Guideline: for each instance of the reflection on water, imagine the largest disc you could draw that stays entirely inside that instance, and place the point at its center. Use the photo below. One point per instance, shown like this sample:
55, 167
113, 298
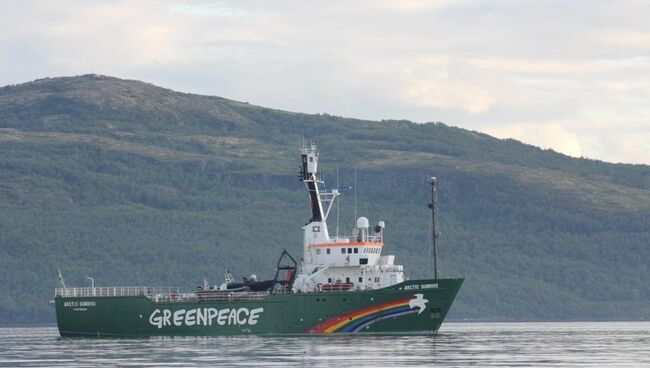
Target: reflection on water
574, 344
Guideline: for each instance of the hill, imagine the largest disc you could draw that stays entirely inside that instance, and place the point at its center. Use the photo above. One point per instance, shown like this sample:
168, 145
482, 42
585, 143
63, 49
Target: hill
134, 184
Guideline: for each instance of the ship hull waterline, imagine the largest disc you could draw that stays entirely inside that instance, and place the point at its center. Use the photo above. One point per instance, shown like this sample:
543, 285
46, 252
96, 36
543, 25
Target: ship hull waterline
411, 307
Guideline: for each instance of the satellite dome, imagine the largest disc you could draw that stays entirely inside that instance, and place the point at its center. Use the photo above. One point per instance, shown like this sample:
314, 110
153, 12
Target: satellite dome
363, 223
381, 224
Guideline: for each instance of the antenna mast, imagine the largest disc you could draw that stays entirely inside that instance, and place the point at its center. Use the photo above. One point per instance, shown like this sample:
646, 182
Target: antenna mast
338, 218
355, 194
61, 282
432, 206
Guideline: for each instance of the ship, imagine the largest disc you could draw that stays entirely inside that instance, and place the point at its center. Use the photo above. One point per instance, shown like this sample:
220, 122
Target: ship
342, 285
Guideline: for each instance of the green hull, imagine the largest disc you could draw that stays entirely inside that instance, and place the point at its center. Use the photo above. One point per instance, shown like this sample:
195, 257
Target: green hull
416, 306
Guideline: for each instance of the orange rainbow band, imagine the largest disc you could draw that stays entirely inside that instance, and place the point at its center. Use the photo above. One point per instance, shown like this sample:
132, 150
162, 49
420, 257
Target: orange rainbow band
348, 322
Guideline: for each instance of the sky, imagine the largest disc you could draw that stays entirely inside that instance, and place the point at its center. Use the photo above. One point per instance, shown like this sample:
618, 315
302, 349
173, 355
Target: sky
573, 76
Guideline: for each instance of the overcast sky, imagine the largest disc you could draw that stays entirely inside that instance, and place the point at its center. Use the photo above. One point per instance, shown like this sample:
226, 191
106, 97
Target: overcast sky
569, 75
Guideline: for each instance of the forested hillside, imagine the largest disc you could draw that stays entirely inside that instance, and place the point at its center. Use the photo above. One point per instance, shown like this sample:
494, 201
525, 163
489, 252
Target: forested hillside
133, 184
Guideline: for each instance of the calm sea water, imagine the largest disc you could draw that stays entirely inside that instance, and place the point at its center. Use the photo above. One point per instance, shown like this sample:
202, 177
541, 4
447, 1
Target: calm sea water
593, 344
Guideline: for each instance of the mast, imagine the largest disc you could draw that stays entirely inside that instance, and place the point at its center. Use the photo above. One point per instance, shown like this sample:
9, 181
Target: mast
432, 206
338, 217
61, 282
308, 172
355, 194
320, 200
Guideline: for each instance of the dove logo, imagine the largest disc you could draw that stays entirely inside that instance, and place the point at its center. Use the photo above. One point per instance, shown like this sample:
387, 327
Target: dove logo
418, 302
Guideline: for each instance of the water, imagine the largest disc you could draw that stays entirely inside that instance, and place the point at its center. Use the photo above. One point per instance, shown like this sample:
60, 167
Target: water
592, 344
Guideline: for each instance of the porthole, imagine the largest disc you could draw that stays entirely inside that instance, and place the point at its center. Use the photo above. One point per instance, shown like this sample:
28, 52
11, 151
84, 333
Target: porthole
435, 313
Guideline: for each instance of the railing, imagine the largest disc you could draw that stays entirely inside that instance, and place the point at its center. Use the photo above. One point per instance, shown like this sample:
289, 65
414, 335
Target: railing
335, 287
114, 291
210, 297
354, 239
374, 238
158, 294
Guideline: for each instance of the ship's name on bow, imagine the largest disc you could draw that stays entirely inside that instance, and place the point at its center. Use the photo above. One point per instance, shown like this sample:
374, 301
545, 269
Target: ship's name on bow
78, 303
205, 317
421, 286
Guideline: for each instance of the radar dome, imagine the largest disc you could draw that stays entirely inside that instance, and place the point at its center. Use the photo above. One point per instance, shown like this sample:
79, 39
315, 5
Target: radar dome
363, 223
381, 224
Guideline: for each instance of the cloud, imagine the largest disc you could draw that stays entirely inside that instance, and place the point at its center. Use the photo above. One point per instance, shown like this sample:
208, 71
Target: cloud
543, 134
447, 94
539, 67
629, 145
534, 71
636, 39
219, 9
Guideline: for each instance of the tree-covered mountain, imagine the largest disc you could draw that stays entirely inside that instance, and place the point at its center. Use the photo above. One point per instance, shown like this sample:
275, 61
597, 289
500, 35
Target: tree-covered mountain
133, 184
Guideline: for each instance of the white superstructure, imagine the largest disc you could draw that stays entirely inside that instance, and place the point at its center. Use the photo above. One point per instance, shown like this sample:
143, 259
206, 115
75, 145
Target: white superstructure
339, 263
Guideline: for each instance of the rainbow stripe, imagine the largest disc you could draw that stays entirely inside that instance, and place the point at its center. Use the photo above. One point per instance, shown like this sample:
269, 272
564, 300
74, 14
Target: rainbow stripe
358, 319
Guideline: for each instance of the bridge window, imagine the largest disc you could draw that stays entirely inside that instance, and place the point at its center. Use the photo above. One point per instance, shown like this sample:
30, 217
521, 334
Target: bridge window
317, 251
363, 261
350, 250
343, 250
328, 251
356, 250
